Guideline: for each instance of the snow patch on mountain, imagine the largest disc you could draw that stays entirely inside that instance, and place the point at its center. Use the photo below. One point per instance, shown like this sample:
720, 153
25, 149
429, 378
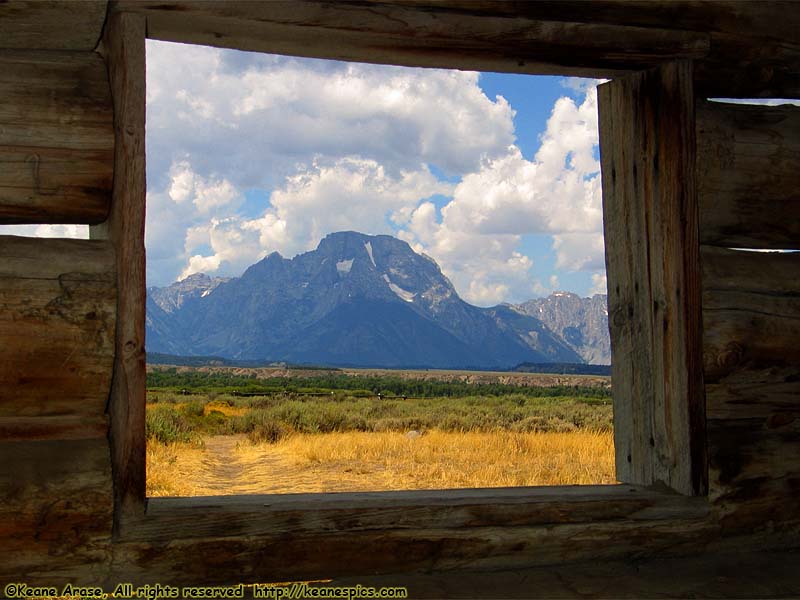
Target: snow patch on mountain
344, 266
399, 292
368, 246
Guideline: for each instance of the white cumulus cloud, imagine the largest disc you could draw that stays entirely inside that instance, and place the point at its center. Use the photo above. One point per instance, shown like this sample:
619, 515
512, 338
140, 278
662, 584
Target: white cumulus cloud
558, 192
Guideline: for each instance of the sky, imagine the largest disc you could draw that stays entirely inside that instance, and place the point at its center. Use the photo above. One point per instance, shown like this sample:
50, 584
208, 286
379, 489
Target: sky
495, 176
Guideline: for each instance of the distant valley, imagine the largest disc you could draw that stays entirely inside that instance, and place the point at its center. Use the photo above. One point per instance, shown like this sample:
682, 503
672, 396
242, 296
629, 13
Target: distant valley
361, 300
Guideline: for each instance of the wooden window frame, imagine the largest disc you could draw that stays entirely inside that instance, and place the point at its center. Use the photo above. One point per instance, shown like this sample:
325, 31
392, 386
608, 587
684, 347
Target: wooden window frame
650, 211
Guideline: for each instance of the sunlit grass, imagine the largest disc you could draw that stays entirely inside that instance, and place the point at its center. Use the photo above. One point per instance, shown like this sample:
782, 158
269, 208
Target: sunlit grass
367, 461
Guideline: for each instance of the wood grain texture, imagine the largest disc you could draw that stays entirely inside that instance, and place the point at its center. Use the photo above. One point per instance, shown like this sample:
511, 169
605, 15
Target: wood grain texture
748, 175
652, 257
751, 313
433, 35
280, 515
755, 393
742, 49
56, 510
740, 65
777, 20
51, 185
124, 45
754, 467
56, 137
21, 429
57, 321
754, 451
305, 556
52, 25
713, 575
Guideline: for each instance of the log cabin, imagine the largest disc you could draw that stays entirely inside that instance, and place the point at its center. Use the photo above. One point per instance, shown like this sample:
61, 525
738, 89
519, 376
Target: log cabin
705, 336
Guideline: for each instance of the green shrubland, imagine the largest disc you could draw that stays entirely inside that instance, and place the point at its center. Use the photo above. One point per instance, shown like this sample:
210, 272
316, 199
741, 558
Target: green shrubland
270, 418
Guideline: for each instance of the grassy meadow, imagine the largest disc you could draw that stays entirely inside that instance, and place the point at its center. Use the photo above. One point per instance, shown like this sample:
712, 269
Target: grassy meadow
213, 433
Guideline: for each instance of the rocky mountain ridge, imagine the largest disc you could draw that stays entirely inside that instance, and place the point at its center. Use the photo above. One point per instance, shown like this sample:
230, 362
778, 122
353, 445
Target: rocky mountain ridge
355, 300
581, 322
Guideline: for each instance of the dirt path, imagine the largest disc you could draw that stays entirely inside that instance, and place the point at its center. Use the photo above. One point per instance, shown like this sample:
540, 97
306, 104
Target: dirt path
226, 467
229, 464
220, 467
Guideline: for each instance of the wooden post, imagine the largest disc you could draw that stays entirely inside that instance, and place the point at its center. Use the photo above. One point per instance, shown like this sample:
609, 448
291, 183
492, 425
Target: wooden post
647, 137
124, 45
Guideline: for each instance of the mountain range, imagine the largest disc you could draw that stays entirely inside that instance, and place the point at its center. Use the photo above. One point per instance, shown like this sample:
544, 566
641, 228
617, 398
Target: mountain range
361, 300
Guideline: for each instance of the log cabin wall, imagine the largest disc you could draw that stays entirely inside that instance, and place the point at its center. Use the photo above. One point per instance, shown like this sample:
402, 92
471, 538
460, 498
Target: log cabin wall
748, 165
61, 342
57, 297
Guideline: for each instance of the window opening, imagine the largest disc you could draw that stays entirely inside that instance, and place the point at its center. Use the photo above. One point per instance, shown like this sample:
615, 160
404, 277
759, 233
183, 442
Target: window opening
357, 277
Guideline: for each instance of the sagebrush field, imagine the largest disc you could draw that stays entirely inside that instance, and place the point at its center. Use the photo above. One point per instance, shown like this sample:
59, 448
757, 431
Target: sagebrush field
212, 433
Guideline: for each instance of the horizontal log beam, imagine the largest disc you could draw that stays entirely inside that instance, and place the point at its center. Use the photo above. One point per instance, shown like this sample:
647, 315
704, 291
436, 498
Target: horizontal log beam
748, 165
52, 25
56, 137
766, 393
50, 185
56, 513
755, 470
278, 515
302, 556
743, 66
57, 322
21, 429
740, 50
751, 312
778, 19
745, 574
419, 36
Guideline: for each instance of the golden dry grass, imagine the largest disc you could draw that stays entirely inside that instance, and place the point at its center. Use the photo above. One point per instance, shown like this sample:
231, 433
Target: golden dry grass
171, 468
225, 409
367, 461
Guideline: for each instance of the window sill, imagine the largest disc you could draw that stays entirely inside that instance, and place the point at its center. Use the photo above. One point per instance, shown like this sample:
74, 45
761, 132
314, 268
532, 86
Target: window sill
170, 519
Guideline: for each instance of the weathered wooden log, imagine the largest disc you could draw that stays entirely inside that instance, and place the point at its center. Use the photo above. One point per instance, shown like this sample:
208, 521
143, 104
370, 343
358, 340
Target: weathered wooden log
743, 48
777, 20
754, 473
278, 515
125, 47
747, 574
81, 427
52, 25
425, 36
50, 185
755, 393
56, 137
652, 257
751, 316
748, 164
742, 65
751, 311
744, 451
302, 556
56, 510
57, 321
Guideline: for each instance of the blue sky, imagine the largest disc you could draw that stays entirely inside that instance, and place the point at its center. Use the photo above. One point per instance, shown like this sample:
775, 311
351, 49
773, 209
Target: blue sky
494, 176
